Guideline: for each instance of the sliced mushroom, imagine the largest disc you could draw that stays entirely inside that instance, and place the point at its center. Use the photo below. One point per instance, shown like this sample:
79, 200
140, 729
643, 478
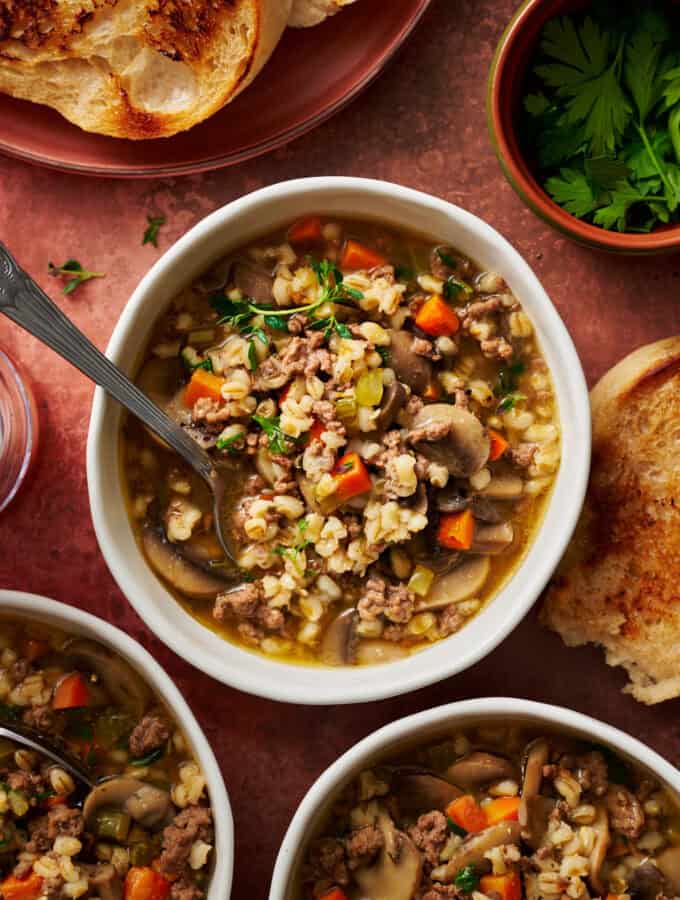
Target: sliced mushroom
493, 539
396, 874
504, 487
338, 646
460, 584
668, 862
473, 849
413, 370
452, 499
217, 277
375, 652
536, 756
124, 685
150, 806
393, 402
647, 882
480, 767
488, 511
253, 281
420, 792
167, 561
599, 852
538, 812
464, 449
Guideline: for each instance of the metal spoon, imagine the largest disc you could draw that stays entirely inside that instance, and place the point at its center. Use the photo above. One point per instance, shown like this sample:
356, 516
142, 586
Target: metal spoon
25, 303
34, 740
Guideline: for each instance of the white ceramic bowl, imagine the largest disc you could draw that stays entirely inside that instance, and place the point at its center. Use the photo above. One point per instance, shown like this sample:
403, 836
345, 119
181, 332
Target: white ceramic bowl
75, 621
243, 221
429, 725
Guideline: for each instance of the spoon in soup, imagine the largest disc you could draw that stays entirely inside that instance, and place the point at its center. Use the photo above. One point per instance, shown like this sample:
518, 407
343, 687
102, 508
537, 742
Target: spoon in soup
26, 304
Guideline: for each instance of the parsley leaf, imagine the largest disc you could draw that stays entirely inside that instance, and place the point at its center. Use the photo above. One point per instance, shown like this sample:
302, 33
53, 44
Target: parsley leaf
466, 879
279, 443
615, 213
454, 286
228, 443
455, 828
75, 273
572, 190
154, 226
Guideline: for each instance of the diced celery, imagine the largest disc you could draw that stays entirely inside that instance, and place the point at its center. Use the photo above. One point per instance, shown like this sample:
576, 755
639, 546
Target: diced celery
203, 336
421, 581
346, 408
113, 825
369, 389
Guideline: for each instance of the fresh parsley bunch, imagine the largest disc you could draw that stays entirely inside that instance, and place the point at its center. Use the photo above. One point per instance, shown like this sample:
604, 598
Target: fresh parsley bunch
602, 117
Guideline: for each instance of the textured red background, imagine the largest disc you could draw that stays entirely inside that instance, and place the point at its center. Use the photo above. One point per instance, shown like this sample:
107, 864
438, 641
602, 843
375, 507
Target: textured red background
422, 124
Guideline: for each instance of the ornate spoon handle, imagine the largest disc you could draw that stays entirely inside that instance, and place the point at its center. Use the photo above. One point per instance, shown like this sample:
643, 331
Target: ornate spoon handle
25, 303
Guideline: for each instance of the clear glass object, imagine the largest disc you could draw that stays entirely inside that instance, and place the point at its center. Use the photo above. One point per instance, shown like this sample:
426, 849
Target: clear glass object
18, 430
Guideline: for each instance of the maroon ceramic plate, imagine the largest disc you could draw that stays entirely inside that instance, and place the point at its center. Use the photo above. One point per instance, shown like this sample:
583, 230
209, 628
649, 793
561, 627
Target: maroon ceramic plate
312, 74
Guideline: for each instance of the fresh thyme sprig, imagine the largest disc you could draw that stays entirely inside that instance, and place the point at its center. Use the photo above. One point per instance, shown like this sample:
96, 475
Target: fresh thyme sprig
151, 233
75, 273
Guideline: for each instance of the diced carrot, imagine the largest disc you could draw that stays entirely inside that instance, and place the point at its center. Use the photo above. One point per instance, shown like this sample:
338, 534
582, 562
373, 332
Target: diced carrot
71, 692
357, 256
467, 813
508, 886
457, 530
432, 391
203, 384
55, 800
351, 476
13, 888
305, 231
33, 649
504, 809
436, 318
142, 883
498, 445
335, 894
284, 393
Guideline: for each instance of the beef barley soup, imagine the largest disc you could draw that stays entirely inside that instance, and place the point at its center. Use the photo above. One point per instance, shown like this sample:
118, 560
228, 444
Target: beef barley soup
498, 813
390, 429
145, 831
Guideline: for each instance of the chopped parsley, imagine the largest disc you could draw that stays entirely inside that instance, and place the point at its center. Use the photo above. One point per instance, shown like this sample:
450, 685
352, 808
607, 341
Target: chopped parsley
9, 713
74, 272
455, 828
228, 443
384, 353
506, 387
279, 443
154, 226
150, 758
404, 273
466, 879
446, 258
603, 114
454, 286
510, 402
330, 325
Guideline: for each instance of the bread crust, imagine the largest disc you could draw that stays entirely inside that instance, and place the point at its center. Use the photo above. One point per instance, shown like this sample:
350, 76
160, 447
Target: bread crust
136, 69
618, 585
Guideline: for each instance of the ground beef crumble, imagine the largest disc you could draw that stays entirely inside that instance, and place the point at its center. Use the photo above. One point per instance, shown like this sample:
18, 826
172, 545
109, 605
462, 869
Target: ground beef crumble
62, 820
327, 859
429, 834
148, 735
192, 824
363, 845
625, 812
394, 601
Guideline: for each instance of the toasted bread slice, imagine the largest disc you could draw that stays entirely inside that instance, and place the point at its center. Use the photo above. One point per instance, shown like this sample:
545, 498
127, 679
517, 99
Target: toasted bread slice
619, 584
306, 13
136, 68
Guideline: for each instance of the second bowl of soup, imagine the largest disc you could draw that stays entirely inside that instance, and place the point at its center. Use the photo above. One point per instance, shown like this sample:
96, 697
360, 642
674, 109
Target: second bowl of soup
394, 402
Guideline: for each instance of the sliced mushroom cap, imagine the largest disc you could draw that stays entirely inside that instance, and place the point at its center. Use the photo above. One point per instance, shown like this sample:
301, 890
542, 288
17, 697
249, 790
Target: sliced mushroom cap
413, 370
167, 561
536, 756
396, 874
465, 448
646, 882
538, 812
493, 539
480, 767
106, 882
338, 646
464, 581
668, 862
493, 513
504, 487
375, 653
150, 806
253, 281
452, 499
599, 852
473, 849
420, 792
124, 685
393, 402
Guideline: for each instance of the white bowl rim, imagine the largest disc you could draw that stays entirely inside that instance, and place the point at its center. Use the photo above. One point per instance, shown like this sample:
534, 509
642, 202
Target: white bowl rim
33, 605
350, 763
281, 681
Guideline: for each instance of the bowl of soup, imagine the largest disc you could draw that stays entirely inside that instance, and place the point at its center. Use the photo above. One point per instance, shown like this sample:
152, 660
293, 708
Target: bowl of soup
487, 798
134, 805
403, 427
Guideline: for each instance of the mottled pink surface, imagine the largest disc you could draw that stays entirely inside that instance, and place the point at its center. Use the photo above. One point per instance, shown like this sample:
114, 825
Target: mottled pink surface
422, 124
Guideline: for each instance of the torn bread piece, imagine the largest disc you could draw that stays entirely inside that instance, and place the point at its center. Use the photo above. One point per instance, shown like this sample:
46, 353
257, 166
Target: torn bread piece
136, 69
306, 13
619, 584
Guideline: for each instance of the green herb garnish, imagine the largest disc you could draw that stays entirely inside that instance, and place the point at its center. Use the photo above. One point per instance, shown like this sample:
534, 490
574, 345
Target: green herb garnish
10, 713
279, 443
510, 402
403, 273
74, 272
150, 758
228, 443
454, 286
604, 115
384, 353
446, 258
466, 879
154, 226
330, 325
455, 828
508, 378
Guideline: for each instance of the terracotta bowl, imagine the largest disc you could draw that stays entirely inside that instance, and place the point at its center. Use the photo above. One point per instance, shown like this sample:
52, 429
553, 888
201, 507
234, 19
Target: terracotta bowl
505, 92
